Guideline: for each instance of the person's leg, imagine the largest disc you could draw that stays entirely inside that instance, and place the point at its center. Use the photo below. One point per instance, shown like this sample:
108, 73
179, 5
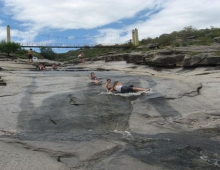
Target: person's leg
140, 89
98, 82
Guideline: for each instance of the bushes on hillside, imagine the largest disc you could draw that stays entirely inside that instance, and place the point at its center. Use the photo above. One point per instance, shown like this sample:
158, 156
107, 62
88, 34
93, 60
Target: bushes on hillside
48, 53
9, 47
187, 36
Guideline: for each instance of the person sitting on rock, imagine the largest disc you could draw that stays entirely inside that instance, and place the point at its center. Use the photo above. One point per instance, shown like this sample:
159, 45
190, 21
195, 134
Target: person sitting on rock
118, 87
41, 67
108, 86
54, 66
94, 79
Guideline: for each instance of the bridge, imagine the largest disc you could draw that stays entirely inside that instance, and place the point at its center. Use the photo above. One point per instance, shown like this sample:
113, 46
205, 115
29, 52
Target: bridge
58, 45
128, 44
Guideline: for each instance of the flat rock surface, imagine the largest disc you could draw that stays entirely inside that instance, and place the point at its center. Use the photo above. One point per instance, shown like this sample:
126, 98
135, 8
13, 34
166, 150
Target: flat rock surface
76, 124
17, 158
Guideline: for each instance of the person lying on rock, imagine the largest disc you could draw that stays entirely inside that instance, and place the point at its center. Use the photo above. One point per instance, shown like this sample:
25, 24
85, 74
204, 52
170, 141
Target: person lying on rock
94, 79
108, 85
118, 87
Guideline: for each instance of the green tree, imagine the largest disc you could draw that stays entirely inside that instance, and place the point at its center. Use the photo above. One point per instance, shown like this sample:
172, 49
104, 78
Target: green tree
8, 47
48, 53
188, 31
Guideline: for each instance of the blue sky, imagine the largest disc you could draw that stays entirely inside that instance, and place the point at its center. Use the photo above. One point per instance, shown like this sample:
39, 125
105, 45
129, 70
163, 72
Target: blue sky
101, 21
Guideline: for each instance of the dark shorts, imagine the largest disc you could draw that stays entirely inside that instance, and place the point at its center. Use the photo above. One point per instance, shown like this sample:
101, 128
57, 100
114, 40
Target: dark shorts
30, 56
127, 89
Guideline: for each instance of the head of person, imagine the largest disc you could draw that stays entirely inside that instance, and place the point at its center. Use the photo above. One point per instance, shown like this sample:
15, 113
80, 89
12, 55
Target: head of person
115, 83
92, 73
108, 80
31, 49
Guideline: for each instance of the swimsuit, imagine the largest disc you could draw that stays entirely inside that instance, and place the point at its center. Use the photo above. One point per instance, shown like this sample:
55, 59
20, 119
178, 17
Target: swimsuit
127, 89
93, 78
30, 56
118, 88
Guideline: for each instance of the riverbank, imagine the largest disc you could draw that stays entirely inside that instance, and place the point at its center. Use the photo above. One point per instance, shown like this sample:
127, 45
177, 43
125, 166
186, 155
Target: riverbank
61, 115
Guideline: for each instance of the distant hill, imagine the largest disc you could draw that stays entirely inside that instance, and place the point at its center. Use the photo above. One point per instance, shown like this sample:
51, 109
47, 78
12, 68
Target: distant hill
186, 37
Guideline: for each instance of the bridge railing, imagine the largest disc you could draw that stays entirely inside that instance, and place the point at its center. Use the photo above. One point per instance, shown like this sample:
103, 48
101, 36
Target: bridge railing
68, 45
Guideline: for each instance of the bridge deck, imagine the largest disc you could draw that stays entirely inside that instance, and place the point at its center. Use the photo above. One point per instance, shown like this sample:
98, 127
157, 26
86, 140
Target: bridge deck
78, 46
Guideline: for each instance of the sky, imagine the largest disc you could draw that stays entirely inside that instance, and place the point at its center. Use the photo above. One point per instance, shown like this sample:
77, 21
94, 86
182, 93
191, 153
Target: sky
107, 22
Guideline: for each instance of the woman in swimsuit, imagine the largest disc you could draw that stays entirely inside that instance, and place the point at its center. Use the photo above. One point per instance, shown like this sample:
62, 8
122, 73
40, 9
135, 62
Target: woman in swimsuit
117, 86
108, 85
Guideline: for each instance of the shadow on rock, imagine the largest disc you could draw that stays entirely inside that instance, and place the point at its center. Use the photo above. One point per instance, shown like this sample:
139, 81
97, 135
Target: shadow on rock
77, 116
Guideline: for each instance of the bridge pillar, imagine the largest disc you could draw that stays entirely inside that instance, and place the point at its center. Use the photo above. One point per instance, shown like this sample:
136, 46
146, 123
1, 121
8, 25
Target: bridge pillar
8, 34
135, 37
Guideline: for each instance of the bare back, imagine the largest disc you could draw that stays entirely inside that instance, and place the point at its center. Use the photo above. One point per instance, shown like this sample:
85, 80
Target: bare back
29, 52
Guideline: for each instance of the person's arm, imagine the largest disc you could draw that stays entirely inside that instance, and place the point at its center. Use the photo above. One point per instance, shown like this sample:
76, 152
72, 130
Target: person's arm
111, 89
106, 86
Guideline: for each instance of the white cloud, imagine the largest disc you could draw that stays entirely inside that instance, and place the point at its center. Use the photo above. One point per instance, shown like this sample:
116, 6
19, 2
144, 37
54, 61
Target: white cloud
174, 16
71, 37
73, 14
44, 15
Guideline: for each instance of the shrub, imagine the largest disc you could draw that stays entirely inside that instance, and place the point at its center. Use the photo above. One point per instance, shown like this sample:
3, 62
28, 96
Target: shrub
9, 47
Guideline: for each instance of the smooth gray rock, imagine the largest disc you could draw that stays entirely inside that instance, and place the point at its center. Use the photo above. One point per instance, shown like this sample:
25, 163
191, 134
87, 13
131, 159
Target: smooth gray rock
175, 126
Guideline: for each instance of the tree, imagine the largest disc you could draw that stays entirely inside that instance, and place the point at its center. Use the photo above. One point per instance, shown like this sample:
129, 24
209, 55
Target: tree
188, 31
48, 53
8, 47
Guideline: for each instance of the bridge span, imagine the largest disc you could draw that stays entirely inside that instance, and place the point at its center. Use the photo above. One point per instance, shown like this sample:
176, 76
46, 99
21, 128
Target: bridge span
34, 45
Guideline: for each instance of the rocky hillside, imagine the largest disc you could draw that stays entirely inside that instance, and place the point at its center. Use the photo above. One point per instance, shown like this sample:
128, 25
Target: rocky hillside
191, 56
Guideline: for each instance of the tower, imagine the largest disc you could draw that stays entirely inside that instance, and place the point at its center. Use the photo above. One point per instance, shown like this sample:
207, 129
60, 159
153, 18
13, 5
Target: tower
8, 34
135, 37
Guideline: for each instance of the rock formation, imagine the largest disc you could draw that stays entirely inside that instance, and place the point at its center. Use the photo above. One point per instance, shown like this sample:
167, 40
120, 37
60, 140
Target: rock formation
192, 56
